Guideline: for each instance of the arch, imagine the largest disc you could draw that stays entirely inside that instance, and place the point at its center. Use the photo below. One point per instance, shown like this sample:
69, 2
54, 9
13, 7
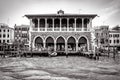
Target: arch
49, 42
60, 42
86, 22
42, 23
49, 22
35, 22
71, 42
38, 42
71, 22
64, 22
83, 42
79, 23
57, 23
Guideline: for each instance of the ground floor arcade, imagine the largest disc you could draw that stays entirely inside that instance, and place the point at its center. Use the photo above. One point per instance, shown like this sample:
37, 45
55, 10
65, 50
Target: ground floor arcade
61, 43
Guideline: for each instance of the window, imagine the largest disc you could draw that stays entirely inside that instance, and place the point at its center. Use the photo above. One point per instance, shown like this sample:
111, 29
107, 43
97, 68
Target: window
114, 41
15, 28
8, 30
111, 35
4, 35
117, 41
0, 30
106, 40
0, 36
8, 35
3, 41
0, 41
7, 41
102, 41
4, 30
106, 34
110, 41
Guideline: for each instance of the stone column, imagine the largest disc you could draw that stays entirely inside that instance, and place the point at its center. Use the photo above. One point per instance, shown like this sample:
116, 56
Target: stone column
75, 24
44, 44
31, 25
55, 46
82, 24
66, 47
38, 24
90, 24
76, 46
53, 23
45, 24
30, 43
60, 24
67, 24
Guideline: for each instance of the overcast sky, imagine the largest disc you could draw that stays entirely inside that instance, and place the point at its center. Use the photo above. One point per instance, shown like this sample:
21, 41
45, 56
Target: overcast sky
11, 11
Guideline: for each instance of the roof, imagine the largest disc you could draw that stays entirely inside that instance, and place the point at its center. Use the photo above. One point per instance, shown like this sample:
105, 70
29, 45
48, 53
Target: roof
22, 26
114, 31
4, 26
62, 15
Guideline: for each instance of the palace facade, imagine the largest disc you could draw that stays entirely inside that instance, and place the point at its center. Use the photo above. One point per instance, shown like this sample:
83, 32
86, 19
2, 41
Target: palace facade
62, 32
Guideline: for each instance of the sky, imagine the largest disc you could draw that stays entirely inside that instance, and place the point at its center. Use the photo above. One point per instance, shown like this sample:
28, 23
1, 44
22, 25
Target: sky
12, 11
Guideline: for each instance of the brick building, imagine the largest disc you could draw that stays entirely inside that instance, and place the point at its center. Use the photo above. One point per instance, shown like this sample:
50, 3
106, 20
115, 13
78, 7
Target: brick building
22, 35
63, 32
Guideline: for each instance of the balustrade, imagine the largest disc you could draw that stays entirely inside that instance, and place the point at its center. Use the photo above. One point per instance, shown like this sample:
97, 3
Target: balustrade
62, 29
78, 29
49, 29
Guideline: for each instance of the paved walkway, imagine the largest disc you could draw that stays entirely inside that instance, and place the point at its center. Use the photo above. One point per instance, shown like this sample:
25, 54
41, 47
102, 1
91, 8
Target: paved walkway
59, 68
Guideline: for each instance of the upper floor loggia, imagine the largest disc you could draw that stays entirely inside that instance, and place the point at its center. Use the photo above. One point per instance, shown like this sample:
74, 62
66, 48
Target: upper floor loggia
60, 22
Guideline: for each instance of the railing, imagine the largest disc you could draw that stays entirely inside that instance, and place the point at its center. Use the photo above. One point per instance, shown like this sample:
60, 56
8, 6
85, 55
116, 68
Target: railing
42, 29
35, 29
56, 29
49, 29
71, 29
78, 29
61, 29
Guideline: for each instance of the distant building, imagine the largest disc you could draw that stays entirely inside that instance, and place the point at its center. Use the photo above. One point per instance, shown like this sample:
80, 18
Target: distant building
22, 35
114, 38
6, 34
102, 36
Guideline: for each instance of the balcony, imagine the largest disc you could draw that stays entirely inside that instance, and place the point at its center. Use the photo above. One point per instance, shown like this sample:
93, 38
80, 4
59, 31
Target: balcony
60, 29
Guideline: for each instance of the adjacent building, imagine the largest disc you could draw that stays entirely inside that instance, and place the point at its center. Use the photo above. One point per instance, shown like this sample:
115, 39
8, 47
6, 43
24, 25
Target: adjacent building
61, 31
102, 36
6, 34
22, 35
114, 39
